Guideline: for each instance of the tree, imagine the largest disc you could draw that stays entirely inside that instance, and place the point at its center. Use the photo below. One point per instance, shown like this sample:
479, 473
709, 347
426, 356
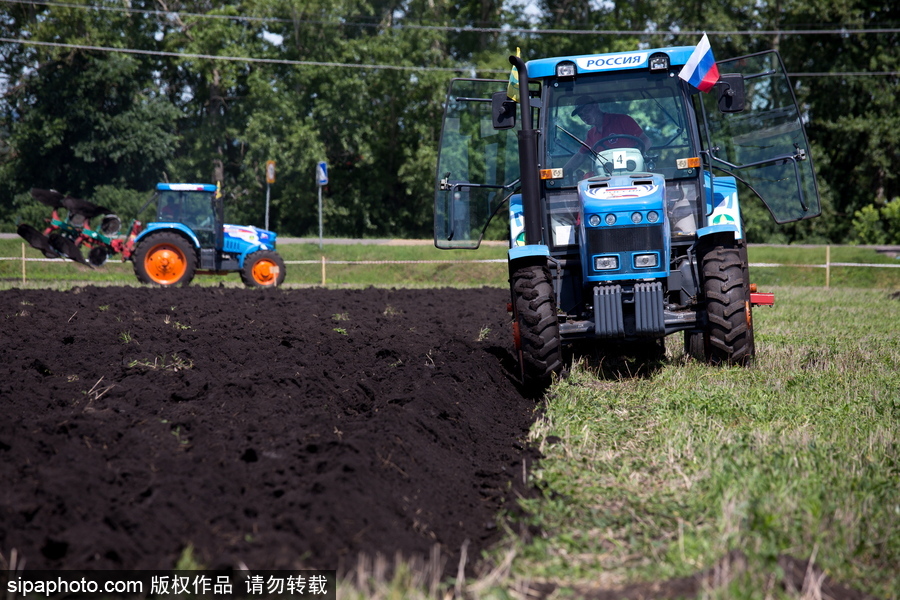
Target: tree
212, 110
78, 119
877, 224
855, 119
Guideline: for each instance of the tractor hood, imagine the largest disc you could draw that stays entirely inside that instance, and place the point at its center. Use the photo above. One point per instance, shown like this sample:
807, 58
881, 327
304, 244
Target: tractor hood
250, 235
623, 226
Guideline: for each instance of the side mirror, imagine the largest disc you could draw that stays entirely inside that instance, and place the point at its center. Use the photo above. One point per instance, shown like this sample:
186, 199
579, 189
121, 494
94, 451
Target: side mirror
730, 92
503, 111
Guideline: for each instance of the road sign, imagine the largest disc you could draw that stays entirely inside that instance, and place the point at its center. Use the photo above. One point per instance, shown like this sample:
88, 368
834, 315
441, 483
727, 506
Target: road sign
270, 171
322, 173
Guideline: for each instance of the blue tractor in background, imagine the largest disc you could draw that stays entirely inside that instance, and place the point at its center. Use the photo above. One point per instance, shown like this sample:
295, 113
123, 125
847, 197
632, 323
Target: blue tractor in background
619, 240
190, 237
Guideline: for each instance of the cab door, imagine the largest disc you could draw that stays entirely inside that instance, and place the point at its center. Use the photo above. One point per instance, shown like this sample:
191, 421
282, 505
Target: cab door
478, 166
765, 145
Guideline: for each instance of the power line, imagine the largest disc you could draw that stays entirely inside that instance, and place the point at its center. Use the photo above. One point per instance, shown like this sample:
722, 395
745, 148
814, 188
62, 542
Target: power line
373, 66
847, 74
250, 59
466, 29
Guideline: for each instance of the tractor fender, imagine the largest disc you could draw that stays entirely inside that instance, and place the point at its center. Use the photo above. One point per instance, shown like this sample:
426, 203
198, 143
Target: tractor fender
533, 250
164, 226
729, 230
250, 250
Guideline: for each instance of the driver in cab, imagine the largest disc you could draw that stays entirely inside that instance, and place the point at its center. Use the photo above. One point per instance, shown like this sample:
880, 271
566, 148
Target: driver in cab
604, 127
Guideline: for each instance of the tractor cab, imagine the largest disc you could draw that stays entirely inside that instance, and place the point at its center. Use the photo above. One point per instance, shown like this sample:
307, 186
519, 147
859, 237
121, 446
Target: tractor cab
191, 208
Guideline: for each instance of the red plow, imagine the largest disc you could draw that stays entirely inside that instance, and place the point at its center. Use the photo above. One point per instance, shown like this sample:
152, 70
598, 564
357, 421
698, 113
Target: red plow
67, 238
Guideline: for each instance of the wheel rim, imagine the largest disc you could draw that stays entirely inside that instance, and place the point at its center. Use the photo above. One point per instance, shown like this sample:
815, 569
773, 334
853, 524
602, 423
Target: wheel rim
265, 272
165, 264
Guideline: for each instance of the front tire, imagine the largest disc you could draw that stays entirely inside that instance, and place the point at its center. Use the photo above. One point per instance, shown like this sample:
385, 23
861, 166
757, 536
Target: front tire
263, 268
728, 336
535, 325
165, 259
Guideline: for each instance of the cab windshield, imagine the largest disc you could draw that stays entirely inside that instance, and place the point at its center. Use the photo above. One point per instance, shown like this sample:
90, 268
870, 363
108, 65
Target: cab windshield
617, 123
194, 209
191, 208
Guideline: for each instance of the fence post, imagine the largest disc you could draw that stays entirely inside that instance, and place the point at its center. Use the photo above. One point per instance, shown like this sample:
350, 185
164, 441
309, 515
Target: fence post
323, 271
827, 267
23, 264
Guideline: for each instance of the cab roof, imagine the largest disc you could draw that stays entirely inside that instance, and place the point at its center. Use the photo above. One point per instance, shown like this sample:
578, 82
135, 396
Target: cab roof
185, 187
614, 61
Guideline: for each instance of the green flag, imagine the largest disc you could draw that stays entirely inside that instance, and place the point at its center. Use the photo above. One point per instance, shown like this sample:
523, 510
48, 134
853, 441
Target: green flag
512, 90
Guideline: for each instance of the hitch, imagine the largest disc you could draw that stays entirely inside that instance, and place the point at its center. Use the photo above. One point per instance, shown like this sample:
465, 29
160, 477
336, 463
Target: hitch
761, 298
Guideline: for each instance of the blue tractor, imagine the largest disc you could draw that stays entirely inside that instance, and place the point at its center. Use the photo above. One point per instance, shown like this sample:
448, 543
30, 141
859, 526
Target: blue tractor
190, 237
620, 180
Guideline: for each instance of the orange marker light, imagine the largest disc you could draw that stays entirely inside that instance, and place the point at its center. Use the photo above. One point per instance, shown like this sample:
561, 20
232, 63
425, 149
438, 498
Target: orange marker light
688, 163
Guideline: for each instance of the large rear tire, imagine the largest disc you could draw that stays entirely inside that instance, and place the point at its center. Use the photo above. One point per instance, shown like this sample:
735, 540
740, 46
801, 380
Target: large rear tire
263, 268
728, 336
536, 325
165, 259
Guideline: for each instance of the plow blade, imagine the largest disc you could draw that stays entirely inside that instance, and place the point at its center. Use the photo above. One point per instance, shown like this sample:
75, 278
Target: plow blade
51, 198
37, 240
87, 209
67, 248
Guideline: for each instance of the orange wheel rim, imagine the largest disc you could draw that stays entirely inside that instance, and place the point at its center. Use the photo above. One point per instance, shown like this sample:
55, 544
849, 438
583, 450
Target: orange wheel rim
265, 272
165, 264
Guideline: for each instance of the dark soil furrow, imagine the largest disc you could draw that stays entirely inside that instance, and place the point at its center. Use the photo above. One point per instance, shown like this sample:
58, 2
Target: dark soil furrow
277, 428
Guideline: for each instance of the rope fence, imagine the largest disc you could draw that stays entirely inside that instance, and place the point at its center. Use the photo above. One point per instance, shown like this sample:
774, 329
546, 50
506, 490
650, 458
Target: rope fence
827, 265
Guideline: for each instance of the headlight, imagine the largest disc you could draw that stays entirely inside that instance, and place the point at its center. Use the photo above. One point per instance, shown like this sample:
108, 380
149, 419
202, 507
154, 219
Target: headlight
645, 261
594, 220
659, 62
636, 217
565, 69
610, 219
605, 263
653, 216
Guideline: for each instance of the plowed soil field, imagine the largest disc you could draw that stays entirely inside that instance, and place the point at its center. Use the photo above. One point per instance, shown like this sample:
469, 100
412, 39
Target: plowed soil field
276, 428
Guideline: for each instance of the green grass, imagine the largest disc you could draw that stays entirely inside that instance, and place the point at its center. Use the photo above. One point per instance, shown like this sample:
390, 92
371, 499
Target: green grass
815, 276
660, 476
462, 273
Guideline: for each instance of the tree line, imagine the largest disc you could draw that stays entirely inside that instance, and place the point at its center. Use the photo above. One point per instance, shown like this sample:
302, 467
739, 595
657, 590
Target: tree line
101, 99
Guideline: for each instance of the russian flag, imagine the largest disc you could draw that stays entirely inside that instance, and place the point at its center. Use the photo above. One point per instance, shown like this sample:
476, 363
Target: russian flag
701, 70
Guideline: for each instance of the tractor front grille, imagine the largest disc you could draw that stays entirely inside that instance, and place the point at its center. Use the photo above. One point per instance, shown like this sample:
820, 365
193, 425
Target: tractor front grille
606, 240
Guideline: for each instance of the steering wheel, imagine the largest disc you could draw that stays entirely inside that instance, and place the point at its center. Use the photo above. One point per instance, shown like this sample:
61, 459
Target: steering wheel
604, 142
